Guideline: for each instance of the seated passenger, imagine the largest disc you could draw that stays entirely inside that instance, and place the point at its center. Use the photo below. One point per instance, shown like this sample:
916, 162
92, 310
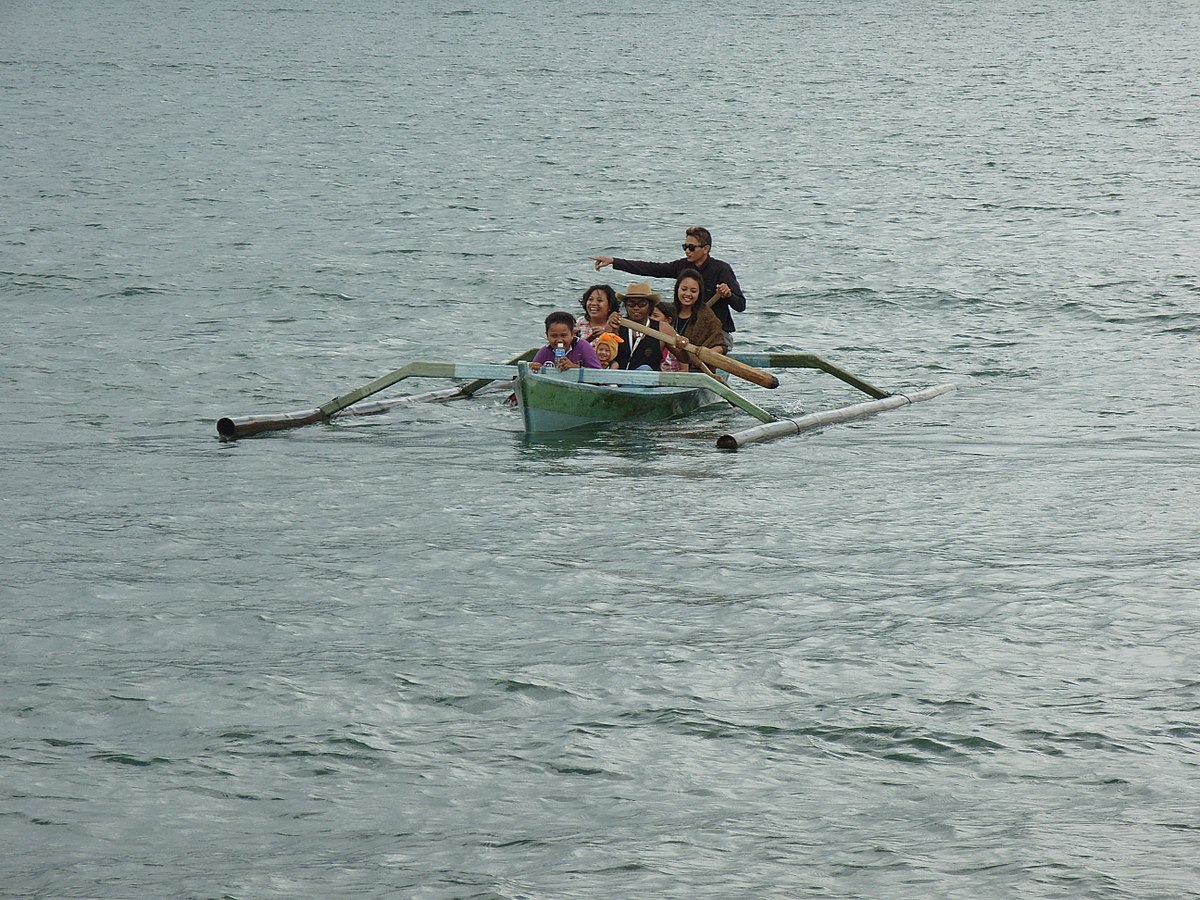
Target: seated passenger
560, 334
664, 313
608, 345
598, 302
694, 320
640, 351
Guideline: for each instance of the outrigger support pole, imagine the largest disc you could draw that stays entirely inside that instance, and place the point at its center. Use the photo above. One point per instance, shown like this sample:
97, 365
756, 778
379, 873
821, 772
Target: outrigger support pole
786, 427
472, 388
809, 361
230, 427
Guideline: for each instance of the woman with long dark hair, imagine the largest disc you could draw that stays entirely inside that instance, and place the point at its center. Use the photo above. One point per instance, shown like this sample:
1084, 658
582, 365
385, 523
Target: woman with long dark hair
694, 319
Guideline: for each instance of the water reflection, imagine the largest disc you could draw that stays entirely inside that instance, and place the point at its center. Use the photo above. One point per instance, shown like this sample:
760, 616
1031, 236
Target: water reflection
632, 442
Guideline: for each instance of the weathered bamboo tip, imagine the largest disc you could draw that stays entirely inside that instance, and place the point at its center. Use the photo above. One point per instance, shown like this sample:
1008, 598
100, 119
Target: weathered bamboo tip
229, 427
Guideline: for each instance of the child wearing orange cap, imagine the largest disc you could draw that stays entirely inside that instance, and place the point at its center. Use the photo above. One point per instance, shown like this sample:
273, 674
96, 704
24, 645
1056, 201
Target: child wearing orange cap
606, 349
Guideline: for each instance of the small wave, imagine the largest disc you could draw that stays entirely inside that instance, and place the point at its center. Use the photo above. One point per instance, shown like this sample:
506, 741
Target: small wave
1055, 744
902, 744
518, 842
512, 686
589, 771
39, 279
129, 292
128, 759
334, 295
63, 742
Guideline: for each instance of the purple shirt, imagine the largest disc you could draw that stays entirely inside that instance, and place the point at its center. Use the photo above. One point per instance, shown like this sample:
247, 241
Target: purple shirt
581, 352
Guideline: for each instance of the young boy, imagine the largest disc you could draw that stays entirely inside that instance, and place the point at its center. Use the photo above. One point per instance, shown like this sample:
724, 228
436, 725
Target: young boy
560, 331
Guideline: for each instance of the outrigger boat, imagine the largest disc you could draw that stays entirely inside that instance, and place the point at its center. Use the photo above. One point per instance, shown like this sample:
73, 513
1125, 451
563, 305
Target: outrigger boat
551, 400
558, 401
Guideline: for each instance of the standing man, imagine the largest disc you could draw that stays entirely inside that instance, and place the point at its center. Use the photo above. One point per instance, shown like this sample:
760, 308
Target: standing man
718, 274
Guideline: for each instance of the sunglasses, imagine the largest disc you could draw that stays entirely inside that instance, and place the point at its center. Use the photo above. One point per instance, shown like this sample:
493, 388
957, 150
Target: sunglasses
688, 248
632, 302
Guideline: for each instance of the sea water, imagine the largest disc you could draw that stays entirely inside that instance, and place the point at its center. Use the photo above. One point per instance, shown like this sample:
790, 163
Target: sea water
951, 651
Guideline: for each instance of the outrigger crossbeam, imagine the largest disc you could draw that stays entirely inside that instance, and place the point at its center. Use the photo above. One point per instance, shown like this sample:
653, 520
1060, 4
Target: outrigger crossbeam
230, 427
809, 361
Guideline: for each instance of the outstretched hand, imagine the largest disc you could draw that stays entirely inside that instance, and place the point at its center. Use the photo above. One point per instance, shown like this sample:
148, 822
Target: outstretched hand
601, 261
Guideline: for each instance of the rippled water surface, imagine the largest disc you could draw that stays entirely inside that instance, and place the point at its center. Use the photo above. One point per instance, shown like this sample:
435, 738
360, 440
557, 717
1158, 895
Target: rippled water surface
951, 651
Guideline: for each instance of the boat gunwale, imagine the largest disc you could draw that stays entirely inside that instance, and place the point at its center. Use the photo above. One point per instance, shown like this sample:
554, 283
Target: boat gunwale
654, 402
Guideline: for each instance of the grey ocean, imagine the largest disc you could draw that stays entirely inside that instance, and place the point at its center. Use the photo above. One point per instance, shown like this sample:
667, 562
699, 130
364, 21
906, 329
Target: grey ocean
952, 651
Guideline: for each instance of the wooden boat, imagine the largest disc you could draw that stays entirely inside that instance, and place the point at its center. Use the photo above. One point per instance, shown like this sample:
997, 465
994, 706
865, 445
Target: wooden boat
556, 401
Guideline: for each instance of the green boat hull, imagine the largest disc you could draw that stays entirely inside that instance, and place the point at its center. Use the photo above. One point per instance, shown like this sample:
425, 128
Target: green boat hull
557, 402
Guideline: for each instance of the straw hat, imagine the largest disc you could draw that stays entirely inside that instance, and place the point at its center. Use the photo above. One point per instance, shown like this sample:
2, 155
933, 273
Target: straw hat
641, 290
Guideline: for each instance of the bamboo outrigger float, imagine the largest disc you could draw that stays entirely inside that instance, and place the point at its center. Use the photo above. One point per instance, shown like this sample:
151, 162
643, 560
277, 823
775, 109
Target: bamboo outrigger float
557, 401
778, 428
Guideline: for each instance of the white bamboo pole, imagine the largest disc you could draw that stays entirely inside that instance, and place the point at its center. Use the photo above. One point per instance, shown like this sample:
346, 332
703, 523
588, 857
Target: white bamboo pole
787, 427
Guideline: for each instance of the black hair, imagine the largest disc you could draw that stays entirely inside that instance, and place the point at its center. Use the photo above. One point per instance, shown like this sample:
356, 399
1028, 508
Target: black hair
700, 234
695, 276
609, 294
560, 318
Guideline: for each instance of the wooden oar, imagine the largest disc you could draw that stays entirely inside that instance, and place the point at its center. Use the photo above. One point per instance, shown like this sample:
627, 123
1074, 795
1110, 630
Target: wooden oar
712, 357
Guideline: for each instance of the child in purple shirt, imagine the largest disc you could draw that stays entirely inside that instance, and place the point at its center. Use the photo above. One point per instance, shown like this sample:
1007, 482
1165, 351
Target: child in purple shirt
560, 331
